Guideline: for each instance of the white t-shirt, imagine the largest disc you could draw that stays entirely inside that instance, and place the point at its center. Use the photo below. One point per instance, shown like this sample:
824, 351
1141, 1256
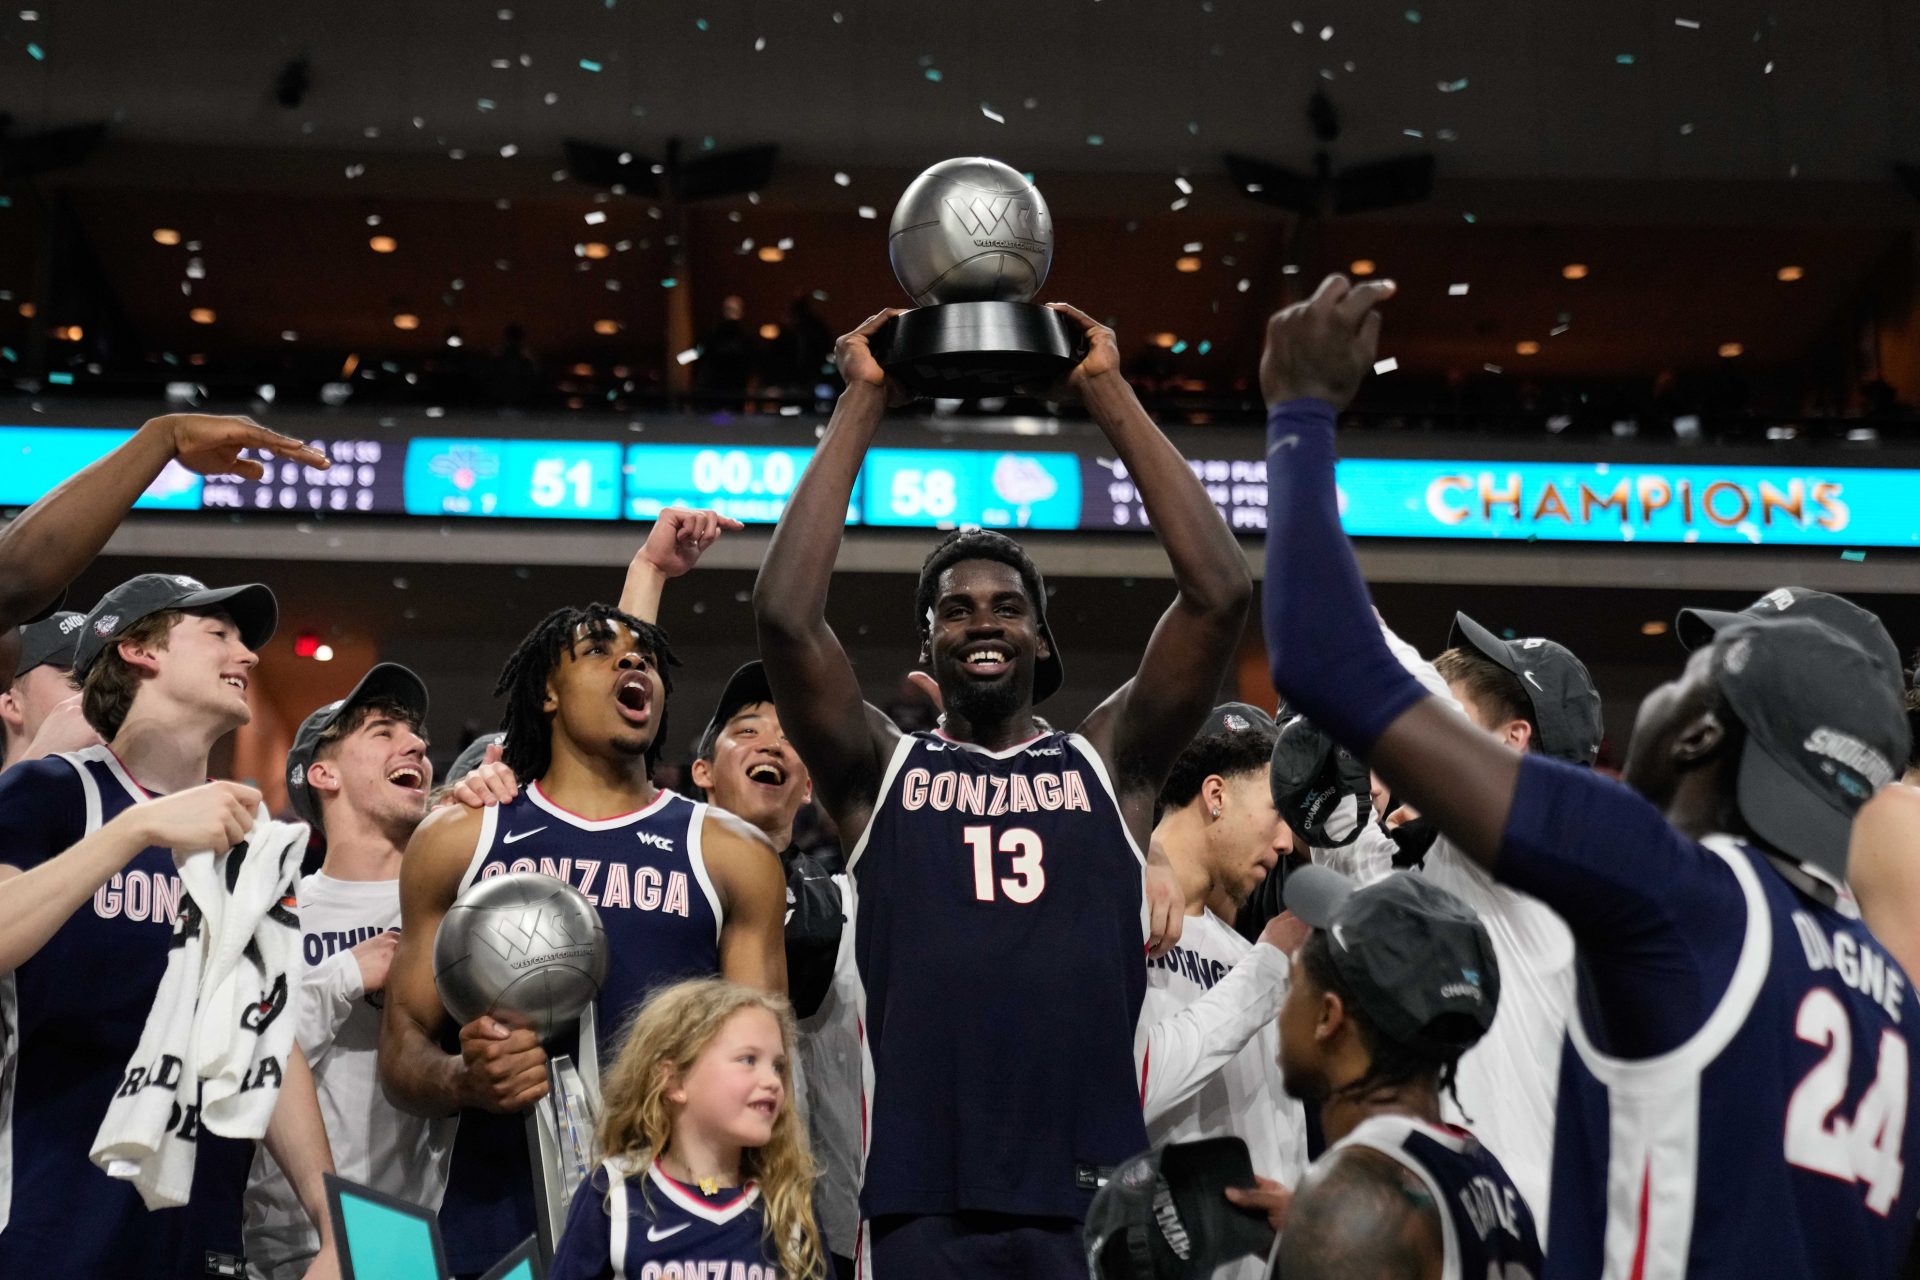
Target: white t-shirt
1208, 1049
828, 1082
373, 1141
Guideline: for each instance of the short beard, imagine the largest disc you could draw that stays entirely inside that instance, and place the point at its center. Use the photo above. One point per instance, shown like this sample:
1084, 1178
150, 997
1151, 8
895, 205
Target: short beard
981, 704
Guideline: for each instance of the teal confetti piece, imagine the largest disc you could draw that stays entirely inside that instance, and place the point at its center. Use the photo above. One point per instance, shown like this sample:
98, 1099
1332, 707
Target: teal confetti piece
669, 283
1413, 16
1094, 140
9, 355
35, 52
6, 202
700, 23
588, 64
1193, 128
1206, 345
933, 74
1179, 346
1470, 218
486, 104
1624, 59
1855, 556
60, 379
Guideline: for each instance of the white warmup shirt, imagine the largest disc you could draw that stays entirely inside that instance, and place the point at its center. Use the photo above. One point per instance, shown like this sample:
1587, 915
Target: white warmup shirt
1208, 1049
828, 1085
373, 1141
1509, 1081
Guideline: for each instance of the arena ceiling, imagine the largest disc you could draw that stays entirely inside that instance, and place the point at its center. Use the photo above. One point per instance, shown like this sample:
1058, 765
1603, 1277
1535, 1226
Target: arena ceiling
1645, 89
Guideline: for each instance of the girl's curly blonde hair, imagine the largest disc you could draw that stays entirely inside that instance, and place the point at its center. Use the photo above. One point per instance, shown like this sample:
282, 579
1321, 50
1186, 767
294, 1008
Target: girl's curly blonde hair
673, 1028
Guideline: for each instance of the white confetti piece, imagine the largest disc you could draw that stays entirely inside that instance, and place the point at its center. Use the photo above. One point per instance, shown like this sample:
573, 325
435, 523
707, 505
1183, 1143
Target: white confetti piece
760, 45
508, 151
1179, 204
595, 218
1386, 366
991, 114
1492, 368
688, 356
1691, 24
868, 211
1191, 246
786, 243
1186, 188
842, 180
1457, 290
1244, 285
1326, 33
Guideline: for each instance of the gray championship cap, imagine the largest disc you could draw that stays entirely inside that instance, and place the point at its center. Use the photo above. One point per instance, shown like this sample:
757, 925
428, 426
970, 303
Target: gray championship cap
1566, 705
746, 687
252, 608
1826, 728
385, 682
1420, 964
50, 642
1164, 1215
1696, 628
471, 757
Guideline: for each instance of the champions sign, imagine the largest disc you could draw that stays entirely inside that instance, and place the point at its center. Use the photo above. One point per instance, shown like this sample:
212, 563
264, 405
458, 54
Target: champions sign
1614, 502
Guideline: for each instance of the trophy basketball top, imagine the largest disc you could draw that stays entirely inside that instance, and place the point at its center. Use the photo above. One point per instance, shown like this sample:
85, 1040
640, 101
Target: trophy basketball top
971, 229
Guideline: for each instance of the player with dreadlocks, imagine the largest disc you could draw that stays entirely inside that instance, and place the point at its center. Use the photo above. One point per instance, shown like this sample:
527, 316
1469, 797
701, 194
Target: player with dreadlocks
683, 891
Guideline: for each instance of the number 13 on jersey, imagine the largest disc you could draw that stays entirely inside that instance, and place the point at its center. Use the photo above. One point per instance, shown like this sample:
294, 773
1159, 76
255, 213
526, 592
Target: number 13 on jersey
1026, 878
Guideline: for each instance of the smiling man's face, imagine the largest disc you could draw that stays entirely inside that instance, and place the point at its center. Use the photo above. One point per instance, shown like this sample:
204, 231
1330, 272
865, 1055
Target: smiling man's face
754, 773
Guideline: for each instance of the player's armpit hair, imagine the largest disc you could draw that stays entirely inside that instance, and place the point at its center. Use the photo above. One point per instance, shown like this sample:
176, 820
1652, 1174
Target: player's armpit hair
1360, 1215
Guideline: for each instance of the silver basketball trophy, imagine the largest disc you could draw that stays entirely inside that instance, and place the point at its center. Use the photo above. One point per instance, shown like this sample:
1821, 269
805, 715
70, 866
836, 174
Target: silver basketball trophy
971, 242
529, 950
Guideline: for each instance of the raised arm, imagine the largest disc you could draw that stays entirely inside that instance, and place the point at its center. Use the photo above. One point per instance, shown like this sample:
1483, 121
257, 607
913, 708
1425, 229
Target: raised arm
1146, 723
674, 546
497, 1069
746, 873
1330, 661
844, 744
50, 542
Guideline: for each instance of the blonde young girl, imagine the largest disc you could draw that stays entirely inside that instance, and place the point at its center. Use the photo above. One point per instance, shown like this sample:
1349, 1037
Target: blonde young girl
708, 1163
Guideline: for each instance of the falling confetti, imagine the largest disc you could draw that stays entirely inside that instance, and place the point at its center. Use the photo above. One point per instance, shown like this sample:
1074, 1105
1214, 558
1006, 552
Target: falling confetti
933, 74
1624, 59
1456, 291
868, 211
1191, 246
1691, 24
760, 44
485, 104
588, 64
1186, 189
1413, 16
35, 52
1244, 285
991, 114
1179, 204
1471, 218
842, 180
1453, 86
1855, 556
1094, 140
595, 218
1386, 366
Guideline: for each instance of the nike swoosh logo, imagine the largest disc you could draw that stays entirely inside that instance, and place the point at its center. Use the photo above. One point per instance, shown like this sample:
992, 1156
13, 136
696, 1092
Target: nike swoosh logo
1530, 680
1340, 937
512, 836
1284, 442
655, 1235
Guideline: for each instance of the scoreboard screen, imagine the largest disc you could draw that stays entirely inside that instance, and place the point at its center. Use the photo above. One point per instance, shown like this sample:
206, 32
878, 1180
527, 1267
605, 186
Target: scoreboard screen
488, 477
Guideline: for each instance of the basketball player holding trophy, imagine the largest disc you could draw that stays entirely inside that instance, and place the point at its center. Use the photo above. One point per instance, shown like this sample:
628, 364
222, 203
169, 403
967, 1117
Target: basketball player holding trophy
681, 891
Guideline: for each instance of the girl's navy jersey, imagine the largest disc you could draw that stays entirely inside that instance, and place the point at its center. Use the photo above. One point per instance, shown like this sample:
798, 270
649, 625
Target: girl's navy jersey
999, 935
1485, 1224
81, 1004
651, 1227
662, 916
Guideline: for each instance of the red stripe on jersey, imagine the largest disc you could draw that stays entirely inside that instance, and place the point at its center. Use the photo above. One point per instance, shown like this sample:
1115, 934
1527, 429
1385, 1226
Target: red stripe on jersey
1146, 1060
1640, 1239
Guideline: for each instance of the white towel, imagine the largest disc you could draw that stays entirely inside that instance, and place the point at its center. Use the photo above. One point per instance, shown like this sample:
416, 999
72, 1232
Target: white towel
215, 1047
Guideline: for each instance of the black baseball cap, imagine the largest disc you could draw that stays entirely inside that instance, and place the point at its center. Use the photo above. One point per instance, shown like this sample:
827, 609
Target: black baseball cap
1164, 1215
1566, 705
1236, 718
1420, 964
1695, 628
385, 682
50, 642
1826, 728
471, 757
745, 687
252, 608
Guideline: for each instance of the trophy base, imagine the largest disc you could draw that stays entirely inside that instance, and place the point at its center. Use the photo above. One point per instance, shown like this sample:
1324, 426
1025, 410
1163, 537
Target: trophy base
968, 350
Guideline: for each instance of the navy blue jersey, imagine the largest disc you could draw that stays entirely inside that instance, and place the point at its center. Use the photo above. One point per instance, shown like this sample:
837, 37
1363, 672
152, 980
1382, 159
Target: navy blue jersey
999, 934
650, 1227
1485, 1225
644, 872
82, 1002
1765, 1131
